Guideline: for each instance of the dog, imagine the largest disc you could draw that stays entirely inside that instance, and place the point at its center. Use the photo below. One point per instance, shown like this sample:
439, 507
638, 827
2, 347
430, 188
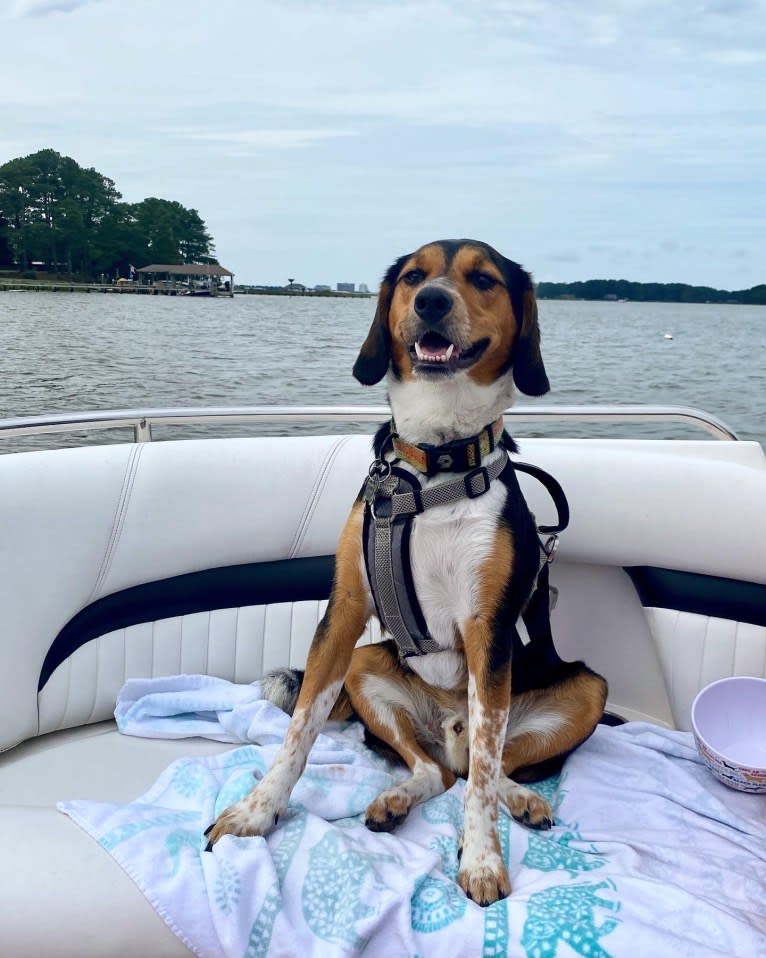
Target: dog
455, 330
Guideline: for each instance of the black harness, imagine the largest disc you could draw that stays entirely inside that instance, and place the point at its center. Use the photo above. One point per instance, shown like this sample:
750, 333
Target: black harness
393, 497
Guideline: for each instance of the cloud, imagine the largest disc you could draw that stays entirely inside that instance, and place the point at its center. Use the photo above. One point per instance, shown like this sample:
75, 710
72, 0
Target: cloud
42, 8
565, 256
545, 126
259, 141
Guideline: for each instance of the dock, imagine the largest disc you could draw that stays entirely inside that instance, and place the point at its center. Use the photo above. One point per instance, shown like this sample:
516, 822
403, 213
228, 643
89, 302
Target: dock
33, 286
159, 279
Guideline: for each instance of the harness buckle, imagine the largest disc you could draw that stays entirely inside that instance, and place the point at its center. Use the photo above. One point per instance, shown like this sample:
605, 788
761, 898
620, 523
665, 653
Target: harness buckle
468, 482
379, 470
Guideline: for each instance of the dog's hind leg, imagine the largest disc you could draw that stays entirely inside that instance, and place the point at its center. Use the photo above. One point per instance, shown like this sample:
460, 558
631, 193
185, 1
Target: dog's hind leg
546, 725
391, 704
328, 659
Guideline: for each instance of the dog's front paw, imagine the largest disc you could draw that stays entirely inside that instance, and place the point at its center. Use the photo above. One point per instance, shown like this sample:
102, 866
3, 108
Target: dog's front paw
485, 884
247, 817
525, 805
388, 810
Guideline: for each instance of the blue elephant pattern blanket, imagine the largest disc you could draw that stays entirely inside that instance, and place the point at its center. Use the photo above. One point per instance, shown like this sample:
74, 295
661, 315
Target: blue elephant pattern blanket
649, 854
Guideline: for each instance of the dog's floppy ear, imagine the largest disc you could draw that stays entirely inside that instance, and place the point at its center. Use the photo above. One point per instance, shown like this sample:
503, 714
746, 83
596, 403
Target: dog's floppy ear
372, 362
528, 370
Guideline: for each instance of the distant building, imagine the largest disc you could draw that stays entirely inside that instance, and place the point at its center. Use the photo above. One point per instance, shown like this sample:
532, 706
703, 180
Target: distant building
322, 289
363, 288
346, 287
295, 288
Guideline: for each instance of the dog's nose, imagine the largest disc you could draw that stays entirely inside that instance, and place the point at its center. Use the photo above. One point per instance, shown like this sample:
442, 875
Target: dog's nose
432, 304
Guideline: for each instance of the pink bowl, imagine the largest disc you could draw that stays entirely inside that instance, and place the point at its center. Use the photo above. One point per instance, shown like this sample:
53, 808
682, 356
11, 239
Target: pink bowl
729, 724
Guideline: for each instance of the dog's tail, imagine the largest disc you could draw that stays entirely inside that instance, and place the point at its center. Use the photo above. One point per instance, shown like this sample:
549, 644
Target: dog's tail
281, 688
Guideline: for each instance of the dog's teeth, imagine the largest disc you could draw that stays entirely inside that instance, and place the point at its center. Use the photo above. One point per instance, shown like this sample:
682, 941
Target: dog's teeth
434, 357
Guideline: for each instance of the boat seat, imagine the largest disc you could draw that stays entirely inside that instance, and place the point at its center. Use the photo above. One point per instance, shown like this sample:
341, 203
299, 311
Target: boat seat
62, 894
215, 556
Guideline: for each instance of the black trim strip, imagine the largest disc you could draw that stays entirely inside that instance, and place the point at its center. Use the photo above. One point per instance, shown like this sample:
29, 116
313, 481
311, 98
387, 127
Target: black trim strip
228, 587
704, 594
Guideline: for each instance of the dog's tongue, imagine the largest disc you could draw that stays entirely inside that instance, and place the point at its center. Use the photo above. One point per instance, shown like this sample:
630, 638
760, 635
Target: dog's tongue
434, 348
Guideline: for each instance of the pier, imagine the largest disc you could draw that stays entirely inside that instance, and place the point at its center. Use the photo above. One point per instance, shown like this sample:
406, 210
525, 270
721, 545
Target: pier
190, 279
34, 286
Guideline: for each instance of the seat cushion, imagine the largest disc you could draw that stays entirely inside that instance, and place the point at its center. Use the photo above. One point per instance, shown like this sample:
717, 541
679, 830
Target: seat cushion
54, 878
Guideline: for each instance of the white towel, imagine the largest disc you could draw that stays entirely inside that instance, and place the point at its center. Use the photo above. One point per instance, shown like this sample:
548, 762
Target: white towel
649, 856
185, 706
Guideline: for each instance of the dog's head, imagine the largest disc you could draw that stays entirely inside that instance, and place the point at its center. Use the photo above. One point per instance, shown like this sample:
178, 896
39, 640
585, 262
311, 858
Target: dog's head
455, 307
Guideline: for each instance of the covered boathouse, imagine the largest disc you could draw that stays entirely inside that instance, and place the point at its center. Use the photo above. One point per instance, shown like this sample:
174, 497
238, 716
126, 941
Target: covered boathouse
188, 279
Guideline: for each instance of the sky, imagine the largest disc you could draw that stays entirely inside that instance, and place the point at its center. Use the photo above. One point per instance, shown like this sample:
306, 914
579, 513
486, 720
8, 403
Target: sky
319, 139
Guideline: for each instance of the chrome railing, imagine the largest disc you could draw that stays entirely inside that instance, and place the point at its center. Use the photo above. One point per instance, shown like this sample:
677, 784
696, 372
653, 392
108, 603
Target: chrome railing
141, 421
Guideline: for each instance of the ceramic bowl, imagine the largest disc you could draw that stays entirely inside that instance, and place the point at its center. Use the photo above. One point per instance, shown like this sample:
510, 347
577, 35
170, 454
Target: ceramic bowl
729, 725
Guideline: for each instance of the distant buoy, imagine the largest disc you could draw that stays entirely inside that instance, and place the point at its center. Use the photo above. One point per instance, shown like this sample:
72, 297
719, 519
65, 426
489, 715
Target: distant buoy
668, 336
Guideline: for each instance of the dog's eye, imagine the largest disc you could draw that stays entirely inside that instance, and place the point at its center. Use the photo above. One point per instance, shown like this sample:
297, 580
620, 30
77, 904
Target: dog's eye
482, 281
413, 277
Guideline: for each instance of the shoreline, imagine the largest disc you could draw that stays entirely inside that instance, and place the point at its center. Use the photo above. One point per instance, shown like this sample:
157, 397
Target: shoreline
35, 286
68, 286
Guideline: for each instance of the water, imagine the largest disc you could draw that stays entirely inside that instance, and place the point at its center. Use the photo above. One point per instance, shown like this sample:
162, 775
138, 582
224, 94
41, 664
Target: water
63, 352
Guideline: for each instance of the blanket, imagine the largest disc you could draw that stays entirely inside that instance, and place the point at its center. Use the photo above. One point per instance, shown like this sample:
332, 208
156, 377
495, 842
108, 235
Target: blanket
649, 855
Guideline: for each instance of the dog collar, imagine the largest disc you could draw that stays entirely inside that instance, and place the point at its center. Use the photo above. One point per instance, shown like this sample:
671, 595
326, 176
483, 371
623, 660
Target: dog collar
461, 455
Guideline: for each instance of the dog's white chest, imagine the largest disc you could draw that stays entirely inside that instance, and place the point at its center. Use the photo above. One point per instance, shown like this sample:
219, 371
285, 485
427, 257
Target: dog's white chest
448, 548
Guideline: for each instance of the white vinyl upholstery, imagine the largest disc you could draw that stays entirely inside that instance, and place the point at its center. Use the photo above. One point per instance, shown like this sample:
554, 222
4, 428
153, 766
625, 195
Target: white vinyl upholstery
695, 650
62, 895
79, 524
235, 644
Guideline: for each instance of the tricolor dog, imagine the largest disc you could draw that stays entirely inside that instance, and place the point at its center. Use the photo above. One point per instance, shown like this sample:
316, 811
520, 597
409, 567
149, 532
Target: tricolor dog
441, 545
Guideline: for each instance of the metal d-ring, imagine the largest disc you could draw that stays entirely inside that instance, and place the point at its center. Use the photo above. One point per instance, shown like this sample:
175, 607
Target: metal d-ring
381, 467
379, 470
550, 548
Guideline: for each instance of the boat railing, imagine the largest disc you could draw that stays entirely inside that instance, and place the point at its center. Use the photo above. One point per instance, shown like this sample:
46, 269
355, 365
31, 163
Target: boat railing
142, 421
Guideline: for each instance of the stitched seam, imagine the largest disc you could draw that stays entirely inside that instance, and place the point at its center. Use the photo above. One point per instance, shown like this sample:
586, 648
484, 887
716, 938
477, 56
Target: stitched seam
314, 496
115, 521
95, 683
208, 642
236, 642
118, 521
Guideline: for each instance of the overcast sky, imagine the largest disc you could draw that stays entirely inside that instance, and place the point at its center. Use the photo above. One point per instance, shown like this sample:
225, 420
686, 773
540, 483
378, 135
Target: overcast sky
319, 139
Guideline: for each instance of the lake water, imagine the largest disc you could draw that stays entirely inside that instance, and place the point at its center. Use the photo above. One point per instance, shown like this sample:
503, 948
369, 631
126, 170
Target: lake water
63, 352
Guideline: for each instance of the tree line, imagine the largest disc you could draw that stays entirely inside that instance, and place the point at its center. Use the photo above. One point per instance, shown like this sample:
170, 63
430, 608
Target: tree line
650, 292
56, 215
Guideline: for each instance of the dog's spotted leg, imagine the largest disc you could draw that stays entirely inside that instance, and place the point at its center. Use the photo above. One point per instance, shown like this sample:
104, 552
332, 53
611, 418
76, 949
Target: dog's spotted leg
347, 613
386, 699
483, 875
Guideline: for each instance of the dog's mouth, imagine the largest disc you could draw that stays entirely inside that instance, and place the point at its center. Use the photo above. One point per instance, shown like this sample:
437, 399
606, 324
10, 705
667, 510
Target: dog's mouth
433, 352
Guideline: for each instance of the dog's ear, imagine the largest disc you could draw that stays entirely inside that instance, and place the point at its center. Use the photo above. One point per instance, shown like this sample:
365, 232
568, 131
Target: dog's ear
372, 362
528, 369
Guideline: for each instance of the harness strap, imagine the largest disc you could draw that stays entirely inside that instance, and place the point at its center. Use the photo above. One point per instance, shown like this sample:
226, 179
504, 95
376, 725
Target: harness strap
387, 561
388, 519
471, 485
554, 491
